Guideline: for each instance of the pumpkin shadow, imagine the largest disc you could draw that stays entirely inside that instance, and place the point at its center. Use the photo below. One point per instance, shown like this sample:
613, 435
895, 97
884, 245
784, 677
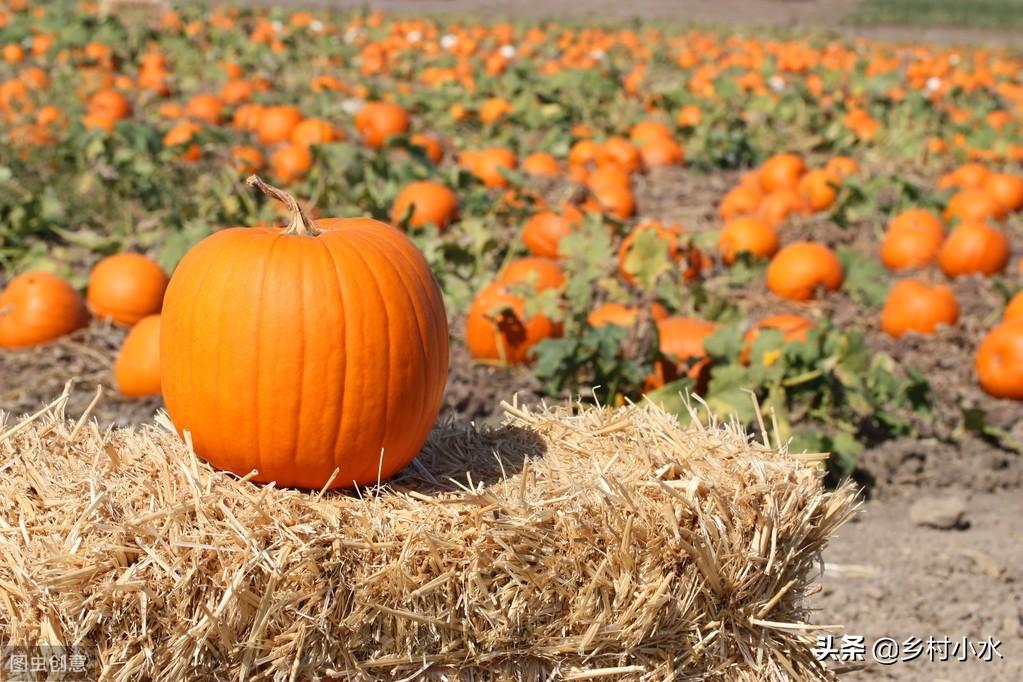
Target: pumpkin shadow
460, 455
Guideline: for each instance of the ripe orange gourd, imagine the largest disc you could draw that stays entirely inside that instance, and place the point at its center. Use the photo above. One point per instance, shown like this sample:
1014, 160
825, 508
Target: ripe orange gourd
541, 164
613, 313
1014, 308
799, 269
913, 240
431, 203
137, 368
913, 306
743, 200
974, 248
275, 124
247, 159
781, 171
126, 287
842, 167
965, 176
619, 152
544, 231
109, 104
647, 131
205, 107
792, 327
544, 273
616, 200
1006, 189
431, 145
818, 189
973, 205
497, 328
291, 162
747, 235
776, 207
377, 121
314, 131
667, 235
999, 361
487, 165
680, 342
181, 134
324, 346
661, 151
36, 307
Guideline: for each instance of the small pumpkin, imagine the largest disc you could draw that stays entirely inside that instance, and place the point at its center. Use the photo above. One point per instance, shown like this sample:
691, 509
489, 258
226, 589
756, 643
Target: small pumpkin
818, 189
973, 205
747, 235
913, 306
377, 121
974, 248
497, 329
431, 203
314, 131
541, 164
743, 200
999, 361
781, 171
291, 162
1006, 189
126, 287
913, 240
792, 327
776, 207
1014, 308
181, 135
800, 269
680, 342
544, 273
544, 231
273, 124
137, 368
37, 307
335, 334
487, 164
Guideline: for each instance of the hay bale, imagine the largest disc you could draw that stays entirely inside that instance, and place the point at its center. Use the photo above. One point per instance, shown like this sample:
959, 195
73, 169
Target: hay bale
609, 544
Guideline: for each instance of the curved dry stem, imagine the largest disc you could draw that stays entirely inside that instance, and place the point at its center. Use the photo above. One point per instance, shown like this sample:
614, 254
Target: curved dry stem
300, 223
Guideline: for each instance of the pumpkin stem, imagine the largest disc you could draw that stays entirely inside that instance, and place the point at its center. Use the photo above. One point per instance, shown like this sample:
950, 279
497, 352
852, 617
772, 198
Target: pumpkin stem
300, 223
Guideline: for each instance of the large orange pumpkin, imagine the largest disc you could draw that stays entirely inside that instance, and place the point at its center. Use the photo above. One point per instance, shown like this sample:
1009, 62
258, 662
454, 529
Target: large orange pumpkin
974, 248
37, 307
999, 361
747, 235
274, 124
137, 368
798, 270
913, 306
431, 203
126, 287
303, 350
973, 205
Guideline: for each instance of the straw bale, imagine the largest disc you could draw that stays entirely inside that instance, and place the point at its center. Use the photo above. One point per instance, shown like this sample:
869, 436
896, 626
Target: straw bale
570, 543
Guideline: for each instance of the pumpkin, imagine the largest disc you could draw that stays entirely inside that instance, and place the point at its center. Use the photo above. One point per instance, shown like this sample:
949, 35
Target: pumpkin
842, 167
1006, 189
314, 131
792, 327
620, 153
661, 151
913, 240
646, 131
543, 273
973, 205
291, 162
273, 124
965, 176
668, 235
781, 171
109, 104
974, 248
776, 207
541, 164
377, 121
126, 287
137, 368
818, 189
747, 235
615, 200
431, 203
613, 313
799, 269
1014, 308
497, 329
680, 341
999, 361
740, 201
913, 306
247, 159
544, 231
431, 145
205, 107
37, 307
487, 164
180, 135
322, 345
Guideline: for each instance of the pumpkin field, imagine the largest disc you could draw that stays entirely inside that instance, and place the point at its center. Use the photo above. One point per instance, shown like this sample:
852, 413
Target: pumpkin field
817, 237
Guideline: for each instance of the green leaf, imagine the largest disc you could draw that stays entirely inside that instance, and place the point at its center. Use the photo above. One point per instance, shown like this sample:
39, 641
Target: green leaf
866, 280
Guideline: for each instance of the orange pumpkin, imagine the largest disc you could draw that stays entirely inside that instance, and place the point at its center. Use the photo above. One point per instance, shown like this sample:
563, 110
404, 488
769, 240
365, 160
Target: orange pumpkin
680, 342
999, 361
335, 334
913, 240
747, 235
974, 248
205, 107
799, 269
498, 330
818, 189
377, 121
291, 162
913, 306
661, 151
431, 203
37, 307
180, 135
541, 164
125, 288
544, 273
487, 165
776, 207
431, 145
1014, 308
1006, 189
781, 171
613, 313
314, 131
973, 205
743, 200
544, 231
137, 368
275, 124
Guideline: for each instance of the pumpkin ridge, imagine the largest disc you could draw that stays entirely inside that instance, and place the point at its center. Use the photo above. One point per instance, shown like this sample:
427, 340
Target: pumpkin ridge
421, 327
336, 453
257, 347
